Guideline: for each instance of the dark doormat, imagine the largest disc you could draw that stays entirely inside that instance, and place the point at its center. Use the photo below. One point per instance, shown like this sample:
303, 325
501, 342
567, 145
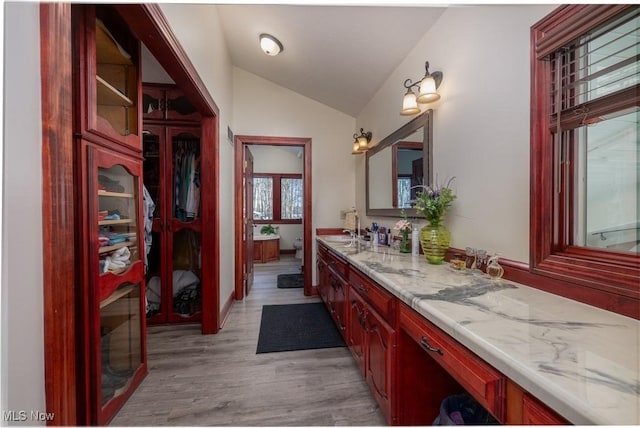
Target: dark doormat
291, 280
296, 327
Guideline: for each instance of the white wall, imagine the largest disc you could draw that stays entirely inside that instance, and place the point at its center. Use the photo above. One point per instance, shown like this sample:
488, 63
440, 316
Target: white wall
152, 71
197, 27
263, 108
22, 274
481, 123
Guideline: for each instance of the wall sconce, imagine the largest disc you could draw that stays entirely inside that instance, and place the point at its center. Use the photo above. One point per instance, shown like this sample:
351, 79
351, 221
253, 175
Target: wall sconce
361, 142
427, 91
270, 45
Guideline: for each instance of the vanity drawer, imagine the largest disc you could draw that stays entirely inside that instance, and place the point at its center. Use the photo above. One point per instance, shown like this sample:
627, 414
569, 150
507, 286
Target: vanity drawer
482, 381
336, 263
536, 413
322, 251
381, 300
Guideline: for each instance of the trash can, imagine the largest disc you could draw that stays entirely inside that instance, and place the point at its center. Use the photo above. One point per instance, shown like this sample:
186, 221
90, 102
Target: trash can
463, 409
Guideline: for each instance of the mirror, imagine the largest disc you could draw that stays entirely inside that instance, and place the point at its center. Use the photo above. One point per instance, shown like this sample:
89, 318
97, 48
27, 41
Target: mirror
400, 161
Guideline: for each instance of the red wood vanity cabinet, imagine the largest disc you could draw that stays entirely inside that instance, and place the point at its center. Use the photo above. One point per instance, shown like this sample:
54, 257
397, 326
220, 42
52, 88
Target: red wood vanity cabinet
472, 374
410, 364
372, 338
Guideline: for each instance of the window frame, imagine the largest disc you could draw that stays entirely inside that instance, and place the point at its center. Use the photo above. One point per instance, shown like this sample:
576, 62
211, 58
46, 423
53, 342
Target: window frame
606, 279
277, 198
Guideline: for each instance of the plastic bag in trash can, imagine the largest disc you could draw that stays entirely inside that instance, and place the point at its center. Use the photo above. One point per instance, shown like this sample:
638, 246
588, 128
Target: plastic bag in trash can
462, 409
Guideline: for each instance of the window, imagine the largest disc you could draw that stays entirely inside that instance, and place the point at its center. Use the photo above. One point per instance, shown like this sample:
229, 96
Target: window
404, 192
277, 198
585, 191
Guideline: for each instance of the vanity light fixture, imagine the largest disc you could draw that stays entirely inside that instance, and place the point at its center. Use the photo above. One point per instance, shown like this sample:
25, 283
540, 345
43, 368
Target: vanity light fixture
427, 91
361, 142
270, 45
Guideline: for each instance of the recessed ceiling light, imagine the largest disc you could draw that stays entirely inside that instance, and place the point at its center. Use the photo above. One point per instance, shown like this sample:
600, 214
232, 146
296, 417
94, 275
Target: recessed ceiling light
270, 45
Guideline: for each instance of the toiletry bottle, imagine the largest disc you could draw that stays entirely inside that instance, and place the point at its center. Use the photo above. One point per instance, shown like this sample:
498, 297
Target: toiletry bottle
376, 238
494, 270
415, 241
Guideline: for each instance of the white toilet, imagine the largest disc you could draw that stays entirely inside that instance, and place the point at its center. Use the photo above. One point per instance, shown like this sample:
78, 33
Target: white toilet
297, 244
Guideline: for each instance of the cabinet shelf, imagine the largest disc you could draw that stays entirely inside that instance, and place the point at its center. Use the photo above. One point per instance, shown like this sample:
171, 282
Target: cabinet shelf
115, 194
118, 294
108, 51
117, 246
109, 95
112, 222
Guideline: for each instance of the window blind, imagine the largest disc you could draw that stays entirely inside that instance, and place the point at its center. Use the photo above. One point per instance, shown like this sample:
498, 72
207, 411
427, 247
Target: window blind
597, 76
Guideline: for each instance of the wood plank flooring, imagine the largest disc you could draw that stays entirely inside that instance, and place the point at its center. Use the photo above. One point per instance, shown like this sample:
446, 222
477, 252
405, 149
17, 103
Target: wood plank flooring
219, 380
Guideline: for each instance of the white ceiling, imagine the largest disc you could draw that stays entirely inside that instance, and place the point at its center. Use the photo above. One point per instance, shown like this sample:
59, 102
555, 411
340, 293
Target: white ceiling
337, 55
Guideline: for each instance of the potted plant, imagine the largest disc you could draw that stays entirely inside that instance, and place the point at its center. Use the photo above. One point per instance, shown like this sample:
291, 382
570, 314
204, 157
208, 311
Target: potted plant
267, 230
433, 204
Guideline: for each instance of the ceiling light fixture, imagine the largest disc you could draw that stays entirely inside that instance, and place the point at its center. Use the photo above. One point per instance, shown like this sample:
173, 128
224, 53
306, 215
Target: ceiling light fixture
427, 91
361, 142
270, 45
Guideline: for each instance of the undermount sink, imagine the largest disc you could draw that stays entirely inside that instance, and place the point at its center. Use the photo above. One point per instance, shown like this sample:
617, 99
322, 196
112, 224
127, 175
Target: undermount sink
337, 238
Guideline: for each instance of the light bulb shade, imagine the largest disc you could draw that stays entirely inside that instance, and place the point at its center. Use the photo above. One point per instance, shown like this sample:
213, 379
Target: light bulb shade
363, 143
270, 45
409, 104
356, 147
428, 92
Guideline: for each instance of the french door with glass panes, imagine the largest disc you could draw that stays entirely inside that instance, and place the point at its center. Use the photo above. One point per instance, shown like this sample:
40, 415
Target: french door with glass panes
171, 169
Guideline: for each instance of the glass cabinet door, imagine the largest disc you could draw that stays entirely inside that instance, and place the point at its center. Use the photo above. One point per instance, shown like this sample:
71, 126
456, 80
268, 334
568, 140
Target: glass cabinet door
187, 273
120, 340
185, 225
117, 220
185, 176
114, 76
116, 288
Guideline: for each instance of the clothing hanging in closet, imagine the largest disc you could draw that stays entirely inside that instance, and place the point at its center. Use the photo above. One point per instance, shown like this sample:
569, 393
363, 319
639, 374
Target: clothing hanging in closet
186, 176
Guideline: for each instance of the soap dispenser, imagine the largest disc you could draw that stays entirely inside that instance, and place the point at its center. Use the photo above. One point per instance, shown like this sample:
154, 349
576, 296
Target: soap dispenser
494, 270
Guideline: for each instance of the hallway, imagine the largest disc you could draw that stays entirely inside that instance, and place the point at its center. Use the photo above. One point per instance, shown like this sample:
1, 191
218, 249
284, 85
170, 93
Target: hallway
220, 380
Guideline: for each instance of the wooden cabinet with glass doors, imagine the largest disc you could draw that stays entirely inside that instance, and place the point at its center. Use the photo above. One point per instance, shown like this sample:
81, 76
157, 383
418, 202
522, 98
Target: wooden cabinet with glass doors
111, 300
109, 83
114, 278
172, 166
167, 102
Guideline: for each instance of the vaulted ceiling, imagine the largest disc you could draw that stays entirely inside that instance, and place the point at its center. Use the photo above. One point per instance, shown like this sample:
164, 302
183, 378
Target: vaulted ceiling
337, 55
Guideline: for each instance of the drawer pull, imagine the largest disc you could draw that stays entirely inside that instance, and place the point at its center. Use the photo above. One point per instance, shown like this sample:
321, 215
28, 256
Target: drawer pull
362, 316
425, 343
363, 289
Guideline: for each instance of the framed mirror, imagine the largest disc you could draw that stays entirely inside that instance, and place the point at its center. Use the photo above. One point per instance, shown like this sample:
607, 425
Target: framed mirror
400, 161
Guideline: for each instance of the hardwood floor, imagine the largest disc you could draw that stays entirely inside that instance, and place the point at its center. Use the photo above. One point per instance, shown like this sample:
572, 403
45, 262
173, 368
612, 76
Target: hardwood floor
220, 380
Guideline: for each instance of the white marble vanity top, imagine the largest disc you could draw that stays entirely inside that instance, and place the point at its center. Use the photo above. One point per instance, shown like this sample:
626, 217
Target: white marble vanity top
579, 360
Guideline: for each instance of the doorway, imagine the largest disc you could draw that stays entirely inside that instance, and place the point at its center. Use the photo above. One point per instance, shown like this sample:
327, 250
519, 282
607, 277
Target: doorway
244, 213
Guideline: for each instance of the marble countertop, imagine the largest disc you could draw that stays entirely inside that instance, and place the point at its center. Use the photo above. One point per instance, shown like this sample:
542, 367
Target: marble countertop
581, 361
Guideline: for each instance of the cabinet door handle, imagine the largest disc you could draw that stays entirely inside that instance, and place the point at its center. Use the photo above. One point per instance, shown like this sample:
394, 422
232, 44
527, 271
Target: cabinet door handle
363, 289
425, 343
362, 316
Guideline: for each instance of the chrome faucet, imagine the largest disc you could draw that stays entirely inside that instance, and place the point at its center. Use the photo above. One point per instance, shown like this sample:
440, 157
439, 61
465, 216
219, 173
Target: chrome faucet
353, 234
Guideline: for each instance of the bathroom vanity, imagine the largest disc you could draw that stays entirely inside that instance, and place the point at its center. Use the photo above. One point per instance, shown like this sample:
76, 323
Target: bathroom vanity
422, 332
266, 248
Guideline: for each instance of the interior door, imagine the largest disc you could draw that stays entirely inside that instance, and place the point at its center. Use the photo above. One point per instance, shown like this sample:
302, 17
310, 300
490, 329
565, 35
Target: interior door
248, 219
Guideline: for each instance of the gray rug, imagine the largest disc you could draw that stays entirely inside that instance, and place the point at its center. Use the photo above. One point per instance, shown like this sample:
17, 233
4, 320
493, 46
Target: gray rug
291, 280
295, 327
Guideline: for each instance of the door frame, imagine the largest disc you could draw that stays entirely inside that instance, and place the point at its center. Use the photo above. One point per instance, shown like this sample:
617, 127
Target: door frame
240, 141
60, 291
247, 207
